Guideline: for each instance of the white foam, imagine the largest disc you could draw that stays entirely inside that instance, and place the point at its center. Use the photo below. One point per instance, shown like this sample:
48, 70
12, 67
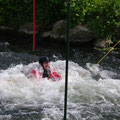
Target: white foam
22, 91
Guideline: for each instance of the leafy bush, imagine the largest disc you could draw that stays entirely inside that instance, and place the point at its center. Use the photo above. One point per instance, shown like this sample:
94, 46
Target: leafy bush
49, 11
103, 16
17, 12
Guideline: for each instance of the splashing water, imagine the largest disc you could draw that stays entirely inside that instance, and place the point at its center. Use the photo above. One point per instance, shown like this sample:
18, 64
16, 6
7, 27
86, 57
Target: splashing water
93, 94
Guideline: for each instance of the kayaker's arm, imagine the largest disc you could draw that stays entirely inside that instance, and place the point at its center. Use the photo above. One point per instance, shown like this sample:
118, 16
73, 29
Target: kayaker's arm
36, 74
55, 76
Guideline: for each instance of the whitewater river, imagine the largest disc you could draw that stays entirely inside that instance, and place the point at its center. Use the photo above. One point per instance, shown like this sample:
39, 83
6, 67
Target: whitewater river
93, 90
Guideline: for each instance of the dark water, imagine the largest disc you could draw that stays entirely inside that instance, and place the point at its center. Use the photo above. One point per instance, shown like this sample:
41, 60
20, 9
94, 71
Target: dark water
94, 92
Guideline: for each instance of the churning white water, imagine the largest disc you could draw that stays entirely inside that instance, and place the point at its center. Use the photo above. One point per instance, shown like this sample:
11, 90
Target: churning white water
93, 94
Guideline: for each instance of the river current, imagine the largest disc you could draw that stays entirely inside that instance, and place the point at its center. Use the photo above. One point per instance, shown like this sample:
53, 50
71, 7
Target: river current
93, 90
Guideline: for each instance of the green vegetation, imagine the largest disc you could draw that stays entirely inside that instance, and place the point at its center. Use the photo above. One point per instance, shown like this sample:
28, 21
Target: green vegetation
102, 16
14, 13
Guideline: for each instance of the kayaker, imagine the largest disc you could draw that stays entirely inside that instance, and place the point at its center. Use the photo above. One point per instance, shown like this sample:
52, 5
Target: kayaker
45, 71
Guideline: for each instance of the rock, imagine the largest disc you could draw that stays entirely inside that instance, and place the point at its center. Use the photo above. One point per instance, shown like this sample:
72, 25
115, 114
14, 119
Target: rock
4, 44
13, 36
58, 31
102, 43
46, 34
59, 28
28, 28
79, 34
5, 28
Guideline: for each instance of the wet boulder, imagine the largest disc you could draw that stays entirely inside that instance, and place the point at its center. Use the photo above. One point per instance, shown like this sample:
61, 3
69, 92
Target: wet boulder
78, 34
81, 34
59, 28
102, 43
58, 31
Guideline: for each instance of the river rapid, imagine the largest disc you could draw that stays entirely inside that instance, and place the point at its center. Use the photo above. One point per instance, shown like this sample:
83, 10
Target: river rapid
93, 90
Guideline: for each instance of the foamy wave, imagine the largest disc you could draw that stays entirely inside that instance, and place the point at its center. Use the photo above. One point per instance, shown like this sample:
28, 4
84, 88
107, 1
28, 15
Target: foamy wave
89, 89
